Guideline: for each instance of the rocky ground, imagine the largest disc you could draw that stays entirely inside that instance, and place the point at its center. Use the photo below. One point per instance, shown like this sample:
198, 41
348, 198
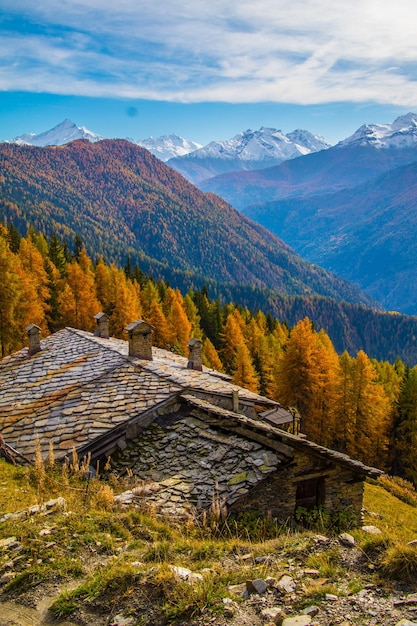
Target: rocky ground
296, 596
296, 580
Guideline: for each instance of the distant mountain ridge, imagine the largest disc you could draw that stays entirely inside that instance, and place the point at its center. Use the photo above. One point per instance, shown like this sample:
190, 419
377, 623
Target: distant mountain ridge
369, 152
247, 150
168, 146
61, 134
401, 133
367, 234
125, 201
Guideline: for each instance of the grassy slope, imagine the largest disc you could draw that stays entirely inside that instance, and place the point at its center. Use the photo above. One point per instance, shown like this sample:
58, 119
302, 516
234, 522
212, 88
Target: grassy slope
112, 561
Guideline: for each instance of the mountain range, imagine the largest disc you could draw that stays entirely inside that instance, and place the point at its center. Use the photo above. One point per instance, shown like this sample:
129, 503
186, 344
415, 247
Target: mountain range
359, 158
167, 147
249, 150
123, 201
350, 209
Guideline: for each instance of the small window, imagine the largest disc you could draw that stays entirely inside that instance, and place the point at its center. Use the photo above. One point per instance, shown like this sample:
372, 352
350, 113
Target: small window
310, 493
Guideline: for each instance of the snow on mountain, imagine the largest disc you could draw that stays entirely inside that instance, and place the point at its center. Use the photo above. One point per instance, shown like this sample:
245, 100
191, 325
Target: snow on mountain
63, 133
168, 146
307, 141
402, 133
248, 150
264, 145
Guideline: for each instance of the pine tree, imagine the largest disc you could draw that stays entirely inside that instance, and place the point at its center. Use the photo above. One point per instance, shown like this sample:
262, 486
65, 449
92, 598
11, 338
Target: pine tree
126, 306
11, 335
211, 357
232, 337
405, 433
306, 379
78, 300
370, 413
244, 373
193, 316
162, 331
180, 326
57, 254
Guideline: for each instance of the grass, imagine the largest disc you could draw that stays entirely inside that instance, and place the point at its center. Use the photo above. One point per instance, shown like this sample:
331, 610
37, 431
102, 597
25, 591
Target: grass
121, 558
396, 518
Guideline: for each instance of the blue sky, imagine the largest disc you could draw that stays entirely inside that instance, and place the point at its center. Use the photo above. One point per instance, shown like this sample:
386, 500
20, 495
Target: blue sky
206, 70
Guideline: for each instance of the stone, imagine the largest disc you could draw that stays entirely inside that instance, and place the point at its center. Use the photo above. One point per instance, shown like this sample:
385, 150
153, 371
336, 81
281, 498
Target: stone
229, 606
194, 578
121, 620
237, 479
181, 572
256, 586
311, 573
321, 539
330, 597
413, 542
286, 584
5, 578
124, 498
405, 622
298, 620
260, 560
372, 530
274, 613
346, 540
311, 610
9, 542
239, 590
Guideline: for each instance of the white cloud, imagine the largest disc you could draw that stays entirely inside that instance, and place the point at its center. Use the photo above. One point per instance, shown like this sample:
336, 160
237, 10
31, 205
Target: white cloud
301, 51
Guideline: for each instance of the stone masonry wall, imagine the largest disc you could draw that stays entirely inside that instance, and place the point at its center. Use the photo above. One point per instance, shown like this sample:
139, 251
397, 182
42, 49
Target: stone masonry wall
189, 460
343, 490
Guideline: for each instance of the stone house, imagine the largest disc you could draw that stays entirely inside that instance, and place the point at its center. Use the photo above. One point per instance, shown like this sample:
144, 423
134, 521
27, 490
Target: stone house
187, 431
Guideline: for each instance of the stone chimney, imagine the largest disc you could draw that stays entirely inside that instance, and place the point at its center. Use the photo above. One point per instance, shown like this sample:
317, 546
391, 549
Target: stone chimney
102, 329
140, 340
195, 361
34, 335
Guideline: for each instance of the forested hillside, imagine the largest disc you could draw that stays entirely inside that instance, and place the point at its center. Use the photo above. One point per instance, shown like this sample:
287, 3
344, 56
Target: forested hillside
366, 234
122, 200
360, 406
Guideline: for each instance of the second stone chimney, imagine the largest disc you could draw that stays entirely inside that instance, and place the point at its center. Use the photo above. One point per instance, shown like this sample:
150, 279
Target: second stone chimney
34, 335
102, 329
195, 361
140, 340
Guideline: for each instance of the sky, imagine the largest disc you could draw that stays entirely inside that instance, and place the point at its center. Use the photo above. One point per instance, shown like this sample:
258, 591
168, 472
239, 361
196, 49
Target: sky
206, 70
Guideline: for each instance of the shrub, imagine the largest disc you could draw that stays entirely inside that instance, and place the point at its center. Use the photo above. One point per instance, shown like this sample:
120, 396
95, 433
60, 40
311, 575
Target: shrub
318, 519
400, 563
399, 487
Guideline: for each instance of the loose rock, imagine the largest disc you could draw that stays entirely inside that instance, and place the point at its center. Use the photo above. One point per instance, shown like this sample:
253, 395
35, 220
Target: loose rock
347, 540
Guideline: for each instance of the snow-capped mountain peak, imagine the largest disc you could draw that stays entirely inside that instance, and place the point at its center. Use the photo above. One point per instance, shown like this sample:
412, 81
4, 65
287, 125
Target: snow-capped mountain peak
263, 145
401, 133
63, 133
168, 146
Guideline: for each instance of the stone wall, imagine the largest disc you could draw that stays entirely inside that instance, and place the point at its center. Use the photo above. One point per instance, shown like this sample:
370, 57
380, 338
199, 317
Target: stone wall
343, 490
196, 462
187, 460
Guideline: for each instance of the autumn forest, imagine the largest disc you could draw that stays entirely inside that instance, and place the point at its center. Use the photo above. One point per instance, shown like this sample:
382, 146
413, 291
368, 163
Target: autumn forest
361, 406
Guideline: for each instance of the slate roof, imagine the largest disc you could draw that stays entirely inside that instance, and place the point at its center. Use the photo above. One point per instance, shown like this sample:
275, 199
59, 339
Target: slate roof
279, 440
80, 389
79, 386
